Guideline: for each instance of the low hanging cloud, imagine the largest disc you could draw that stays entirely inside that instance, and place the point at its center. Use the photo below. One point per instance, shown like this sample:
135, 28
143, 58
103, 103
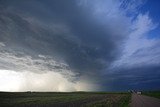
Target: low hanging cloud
78, 40
86, 44
43, 74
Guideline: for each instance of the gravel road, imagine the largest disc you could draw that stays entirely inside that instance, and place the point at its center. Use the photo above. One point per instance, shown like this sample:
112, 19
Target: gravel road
144, 101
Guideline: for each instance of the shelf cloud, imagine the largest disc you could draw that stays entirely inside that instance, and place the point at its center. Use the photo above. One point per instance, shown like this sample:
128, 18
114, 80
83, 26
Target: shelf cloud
77, 45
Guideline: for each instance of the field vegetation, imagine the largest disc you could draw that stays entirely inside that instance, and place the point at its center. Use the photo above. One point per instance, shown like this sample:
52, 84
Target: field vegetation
56, 99
155, 94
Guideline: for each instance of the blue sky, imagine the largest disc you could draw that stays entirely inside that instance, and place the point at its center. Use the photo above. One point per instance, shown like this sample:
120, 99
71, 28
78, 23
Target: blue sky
79, 45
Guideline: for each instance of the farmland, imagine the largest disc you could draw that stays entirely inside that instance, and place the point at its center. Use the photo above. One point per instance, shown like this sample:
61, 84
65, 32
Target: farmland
155, 94
57, 99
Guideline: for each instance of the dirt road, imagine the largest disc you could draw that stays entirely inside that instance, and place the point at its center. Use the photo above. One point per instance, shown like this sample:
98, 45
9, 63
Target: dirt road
144, 101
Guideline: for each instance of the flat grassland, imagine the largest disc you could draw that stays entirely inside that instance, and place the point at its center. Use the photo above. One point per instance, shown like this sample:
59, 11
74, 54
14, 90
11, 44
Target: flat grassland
155, 94
61, 99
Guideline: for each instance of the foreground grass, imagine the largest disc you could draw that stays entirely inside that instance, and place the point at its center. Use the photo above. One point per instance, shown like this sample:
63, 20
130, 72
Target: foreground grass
155, 94
78, 99
115, 101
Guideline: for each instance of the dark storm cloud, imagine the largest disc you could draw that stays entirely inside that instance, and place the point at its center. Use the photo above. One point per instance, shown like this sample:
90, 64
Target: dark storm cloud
136, 78
88, 37
91, 51
95, 49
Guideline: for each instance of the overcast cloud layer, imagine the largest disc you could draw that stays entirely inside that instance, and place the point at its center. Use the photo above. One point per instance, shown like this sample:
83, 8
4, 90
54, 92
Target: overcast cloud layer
86, 44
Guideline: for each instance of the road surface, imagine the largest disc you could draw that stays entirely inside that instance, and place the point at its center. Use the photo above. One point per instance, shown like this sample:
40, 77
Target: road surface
144, 101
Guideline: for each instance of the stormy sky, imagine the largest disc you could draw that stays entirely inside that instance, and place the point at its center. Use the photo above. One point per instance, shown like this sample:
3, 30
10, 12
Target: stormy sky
79, 45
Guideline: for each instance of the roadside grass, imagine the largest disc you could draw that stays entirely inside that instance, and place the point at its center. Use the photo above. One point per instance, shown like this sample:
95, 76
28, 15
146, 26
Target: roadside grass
117, 100
155, 94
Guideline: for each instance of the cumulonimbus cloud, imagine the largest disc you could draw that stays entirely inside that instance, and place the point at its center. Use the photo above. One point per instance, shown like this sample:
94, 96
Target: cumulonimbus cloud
77, 40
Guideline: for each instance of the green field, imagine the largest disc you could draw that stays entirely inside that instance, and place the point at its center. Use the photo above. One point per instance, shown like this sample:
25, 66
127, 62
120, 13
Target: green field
155, 94
72, 99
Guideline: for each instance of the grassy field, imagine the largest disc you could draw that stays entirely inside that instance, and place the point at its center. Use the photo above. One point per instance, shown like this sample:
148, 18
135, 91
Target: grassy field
155, 94
73, 99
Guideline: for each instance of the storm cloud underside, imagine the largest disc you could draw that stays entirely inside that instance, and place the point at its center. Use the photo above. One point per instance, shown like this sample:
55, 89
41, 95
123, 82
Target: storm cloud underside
84, 44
